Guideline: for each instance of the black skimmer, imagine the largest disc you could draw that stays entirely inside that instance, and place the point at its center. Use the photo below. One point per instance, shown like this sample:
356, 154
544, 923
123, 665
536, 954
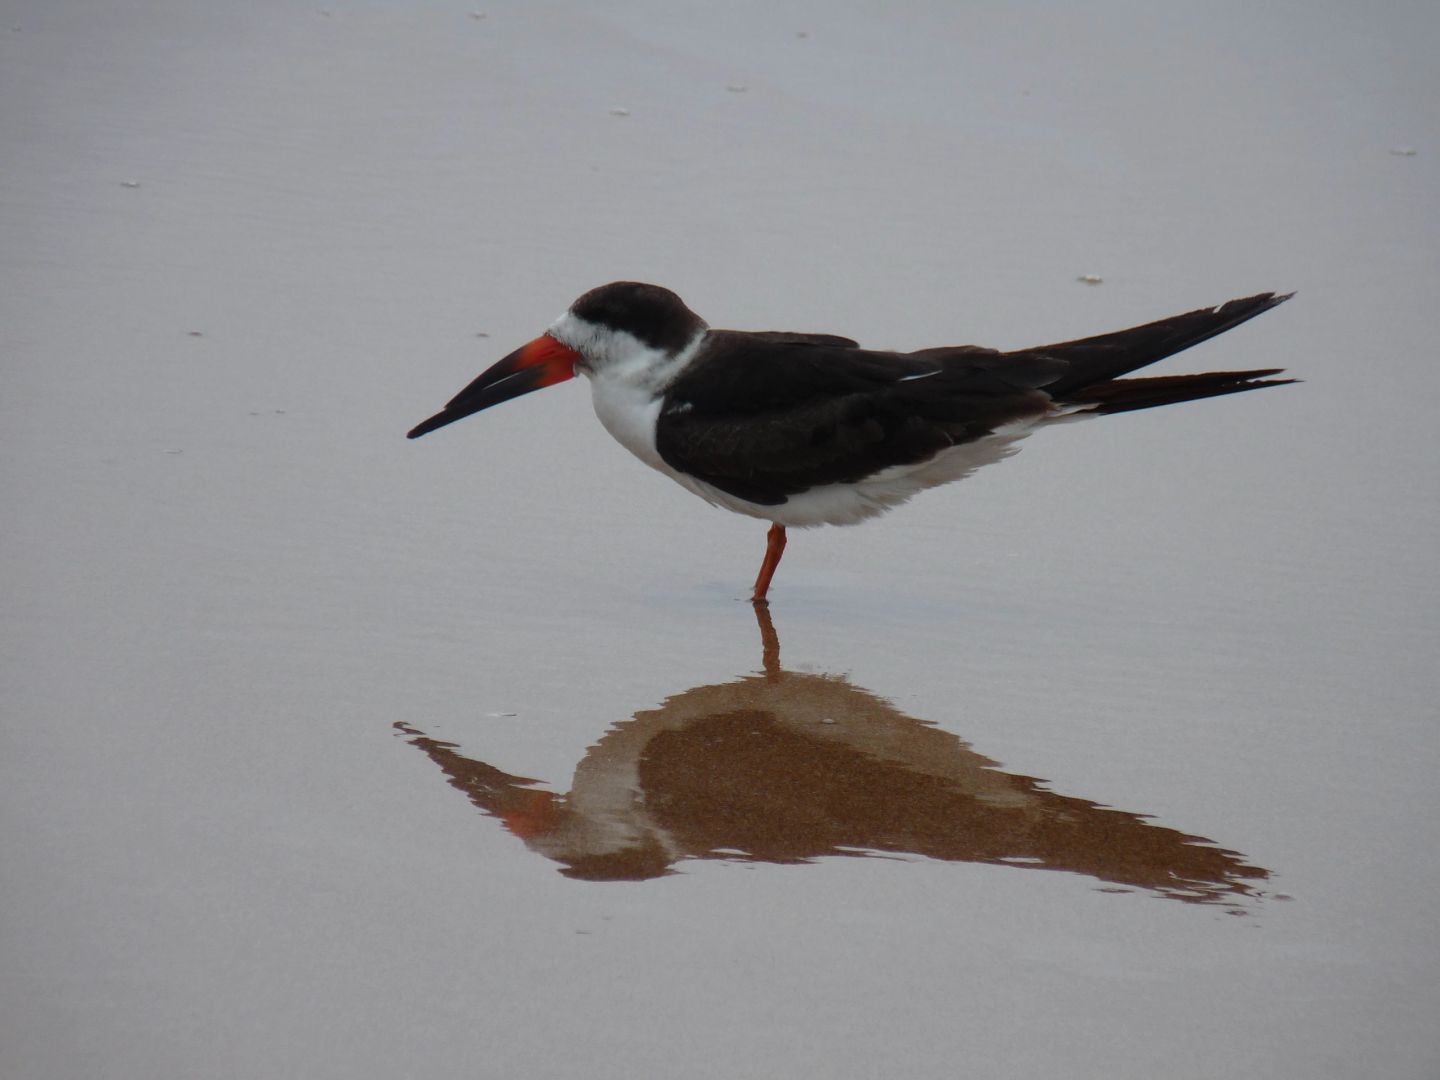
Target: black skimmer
810, 429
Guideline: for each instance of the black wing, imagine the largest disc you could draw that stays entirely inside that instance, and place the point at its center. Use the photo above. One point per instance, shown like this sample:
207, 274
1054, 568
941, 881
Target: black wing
789, 337
768, 415
765, 416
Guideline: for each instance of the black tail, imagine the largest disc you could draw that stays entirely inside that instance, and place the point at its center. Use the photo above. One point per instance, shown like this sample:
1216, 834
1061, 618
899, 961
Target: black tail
1096, 363
1122, 395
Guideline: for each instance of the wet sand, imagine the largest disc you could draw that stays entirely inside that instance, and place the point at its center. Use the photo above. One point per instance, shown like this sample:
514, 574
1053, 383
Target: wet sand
333, 755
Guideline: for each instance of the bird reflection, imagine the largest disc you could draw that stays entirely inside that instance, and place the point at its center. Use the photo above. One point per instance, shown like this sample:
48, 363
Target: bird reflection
787, 767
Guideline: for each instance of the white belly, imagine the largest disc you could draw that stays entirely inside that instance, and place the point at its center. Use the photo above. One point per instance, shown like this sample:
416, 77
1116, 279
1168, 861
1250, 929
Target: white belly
850, 504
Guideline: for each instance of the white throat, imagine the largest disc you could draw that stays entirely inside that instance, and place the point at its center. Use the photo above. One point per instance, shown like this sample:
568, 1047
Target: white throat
627, 380
610, 353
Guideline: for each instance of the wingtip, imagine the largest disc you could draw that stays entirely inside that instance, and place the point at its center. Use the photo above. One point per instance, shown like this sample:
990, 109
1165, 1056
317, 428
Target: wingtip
1254, 305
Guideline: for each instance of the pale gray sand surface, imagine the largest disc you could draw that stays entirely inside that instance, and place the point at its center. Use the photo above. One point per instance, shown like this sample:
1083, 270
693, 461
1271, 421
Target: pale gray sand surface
246, 246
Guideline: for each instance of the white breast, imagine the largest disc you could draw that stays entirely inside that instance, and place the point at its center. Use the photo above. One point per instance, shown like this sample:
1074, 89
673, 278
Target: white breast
627, 379
629, 412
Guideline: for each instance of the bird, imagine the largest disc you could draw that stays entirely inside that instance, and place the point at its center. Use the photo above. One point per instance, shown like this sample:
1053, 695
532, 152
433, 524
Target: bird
803, 429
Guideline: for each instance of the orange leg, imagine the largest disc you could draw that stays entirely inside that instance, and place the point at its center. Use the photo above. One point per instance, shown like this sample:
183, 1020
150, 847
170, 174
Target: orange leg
774, 548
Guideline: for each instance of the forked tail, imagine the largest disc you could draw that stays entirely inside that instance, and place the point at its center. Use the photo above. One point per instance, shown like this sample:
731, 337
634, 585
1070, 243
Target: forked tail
1123, 395
1096, 363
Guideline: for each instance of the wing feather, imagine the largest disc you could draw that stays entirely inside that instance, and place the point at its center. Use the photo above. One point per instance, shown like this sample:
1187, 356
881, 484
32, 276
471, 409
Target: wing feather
762, 420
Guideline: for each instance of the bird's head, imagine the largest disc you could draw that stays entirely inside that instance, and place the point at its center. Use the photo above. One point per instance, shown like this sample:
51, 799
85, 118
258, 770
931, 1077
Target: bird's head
625, 328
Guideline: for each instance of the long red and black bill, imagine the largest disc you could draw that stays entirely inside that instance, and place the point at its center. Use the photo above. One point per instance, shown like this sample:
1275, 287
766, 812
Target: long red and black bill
543, 362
